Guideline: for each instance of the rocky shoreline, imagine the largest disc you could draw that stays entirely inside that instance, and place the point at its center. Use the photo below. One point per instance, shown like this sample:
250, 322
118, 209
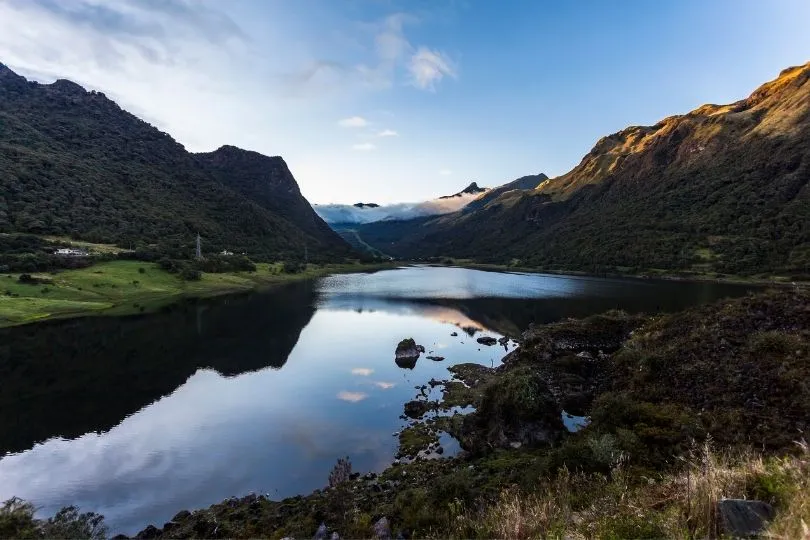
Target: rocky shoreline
731, 374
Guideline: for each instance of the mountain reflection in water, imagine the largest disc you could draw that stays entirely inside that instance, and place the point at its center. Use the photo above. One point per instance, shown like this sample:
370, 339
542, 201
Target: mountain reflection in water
139, 417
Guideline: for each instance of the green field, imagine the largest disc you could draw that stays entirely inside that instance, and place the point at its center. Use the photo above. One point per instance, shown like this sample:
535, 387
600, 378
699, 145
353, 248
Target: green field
127, 287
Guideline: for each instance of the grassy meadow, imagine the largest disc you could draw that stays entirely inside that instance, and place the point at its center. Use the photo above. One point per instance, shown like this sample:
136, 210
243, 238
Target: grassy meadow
129, 287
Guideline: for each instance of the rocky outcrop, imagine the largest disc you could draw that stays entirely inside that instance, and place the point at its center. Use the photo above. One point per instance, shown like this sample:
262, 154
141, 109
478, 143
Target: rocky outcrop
743, 519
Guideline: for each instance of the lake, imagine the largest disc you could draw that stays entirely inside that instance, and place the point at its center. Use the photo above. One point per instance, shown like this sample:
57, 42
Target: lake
140, 417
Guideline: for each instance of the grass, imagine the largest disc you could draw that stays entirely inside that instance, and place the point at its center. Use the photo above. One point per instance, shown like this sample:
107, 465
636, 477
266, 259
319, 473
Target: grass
128, 287
680, 505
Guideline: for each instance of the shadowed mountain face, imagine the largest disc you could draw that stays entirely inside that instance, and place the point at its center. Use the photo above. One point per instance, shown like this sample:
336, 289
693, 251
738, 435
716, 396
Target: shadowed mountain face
73, 163
521, 184
73, 377
724, 188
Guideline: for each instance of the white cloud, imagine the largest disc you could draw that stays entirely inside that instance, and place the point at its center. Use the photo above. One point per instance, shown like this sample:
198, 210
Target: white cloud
428, 67
388, 133
352, 397
353, 122
346, 213
364, 147
445, 172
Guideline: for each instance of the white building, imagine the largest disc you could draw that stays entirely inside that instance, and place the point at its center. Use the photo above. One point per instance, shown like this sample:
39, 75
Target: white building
71, 252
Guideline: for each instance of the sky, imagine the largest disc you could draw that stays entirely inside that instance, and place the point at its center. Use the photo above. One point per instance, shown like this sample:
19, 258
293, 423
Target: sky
404, 100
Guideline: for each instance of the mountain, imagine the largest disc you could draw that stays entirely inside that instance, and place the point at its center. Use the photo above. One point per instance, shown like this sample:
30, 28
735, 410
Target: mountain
343, 215
74, 163
472, 189
724, 188
522, 183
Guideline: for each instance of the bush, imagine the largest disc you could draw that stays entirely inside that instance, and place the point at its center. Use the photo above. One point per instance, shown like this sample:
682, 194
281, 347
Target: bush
28, 279
190, 274
293, 267
17, 521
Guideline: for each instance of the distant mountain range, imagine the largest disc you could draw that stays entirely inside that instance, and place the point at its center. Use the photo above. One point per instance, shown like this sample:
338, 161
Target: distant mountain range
343, 215
73, 163
724, 188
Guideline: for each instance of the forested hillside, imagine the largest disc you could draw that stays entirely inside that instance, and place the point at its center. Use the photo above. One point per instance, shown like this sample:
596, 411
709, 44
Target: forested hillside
724, 188
74, 163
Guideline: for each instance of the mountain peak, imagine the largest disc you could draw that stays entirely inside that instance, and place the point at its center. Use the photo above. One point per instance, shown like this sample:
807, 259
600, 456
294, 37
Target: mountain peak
65, 86
9, 77
472, 189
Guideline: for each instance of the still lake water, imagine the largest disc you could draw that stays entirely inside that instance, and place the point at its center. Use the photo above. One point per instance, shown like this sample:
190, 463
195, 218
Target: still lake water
140, 417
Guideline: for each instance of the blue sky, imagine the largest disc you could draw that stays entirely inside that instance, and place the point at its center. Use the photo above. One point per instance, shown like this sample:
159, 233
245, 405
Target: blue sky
393, 100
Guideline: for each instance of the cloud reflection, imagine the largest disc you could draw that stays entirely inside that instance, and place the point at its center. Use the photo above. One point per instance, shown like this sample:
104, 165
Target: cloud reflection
362, 371
384, 385
352, 397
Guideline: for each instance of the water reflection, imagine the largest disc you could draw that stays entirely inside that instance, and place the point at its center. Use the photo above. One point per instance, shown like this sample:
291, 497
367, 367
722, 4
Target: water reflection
64, 379
140, 417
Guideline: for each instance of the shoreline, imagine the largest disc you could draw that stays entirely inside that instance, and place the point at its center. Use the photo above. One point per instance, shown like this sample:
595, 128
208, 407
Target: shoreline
773, 281
124, 288
502, 460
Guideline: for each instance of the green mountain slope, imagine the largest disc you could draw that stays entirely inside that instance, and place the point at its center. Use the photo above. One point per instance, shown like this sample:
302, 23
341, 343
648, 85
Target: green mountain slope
720, 189
73, 163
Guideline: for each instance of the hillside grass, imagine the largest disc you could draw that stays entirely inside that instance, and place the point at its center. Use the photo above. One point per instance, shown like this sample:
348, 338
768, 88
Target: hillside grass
619, 505
129, 287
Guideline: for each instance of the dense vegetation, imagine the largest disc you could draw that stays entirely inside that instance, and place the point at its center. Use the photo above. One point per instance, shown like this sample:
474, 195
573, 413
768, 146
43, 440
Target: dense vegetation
723, 189
72, 163
29, 253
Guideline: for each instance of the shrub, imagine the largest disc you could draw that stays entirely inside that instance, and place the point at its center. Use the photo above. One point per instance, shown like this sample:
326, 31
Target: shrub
293, 267
27, 279
190, 274
17, 519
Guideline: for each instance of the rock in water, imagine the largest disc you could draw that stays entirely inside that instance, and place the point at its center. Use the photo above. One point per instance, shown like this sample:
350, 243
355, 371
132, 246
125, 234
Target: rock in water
743, 519
382, 529
407, 353
454, 334
436, 358
416, 408
407, 348
487, 340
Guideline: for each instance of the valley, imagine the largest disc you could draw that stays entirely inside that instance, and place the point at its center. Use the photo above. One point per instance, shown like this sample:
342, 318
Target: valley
197, 343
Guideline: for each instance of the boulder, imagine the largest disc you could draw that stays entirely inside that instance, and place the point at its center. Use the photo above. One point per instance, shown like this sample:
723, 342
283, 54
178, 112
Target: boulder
487, 340
420, 348
407, 353
382, 529
743, 519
